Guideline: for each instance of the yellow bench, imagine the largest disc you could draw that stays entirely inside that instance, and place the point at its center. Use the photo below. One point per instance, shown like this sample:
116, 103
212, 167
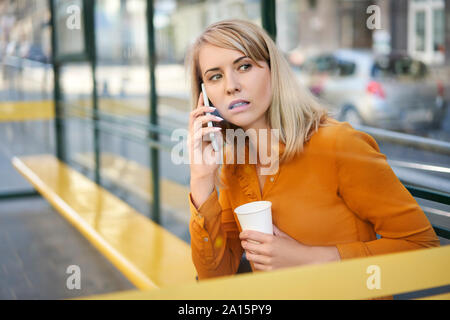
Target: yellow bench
147, 254
397, 273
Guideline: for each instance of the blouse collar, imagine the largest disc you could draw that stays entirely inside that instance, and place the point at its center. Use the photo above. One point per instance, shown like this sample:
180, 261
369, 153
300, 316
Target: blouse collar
246, 172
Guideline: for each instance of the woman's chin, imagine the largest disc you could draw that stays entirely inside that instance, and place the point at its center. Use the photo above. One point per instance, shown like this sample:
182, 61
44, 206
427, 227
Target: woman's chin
242, 123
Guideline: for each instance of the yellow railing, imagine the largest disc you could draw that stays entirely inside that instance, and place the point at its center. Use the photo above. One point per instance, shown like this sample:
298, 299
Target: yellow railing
26, 110
363, 278
44, 110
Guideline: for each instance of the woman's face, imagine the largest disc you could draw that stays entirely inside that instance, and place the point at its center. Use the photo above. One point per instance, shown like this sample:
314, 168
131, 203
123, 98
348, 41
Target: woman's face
236, 86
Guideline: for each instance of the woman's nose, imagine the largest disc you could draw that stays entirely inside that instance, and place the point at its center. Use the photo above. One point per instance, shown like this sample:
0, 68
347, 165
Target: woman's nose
232, 84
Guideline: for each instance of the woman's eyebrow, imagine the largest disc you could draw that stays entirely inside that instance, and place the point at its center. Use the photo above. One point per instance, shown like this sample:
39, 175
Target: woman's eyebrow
234, 62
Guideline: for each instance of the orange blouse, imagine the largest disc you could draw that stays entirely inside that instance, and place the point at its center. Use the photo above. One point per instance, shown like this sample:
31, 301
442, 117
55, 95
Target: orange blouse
340, 191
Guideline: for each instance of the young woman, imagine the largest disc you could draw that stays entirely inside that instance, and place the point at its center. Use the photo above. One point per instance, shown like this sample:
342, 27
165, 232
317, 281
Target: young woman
333, 191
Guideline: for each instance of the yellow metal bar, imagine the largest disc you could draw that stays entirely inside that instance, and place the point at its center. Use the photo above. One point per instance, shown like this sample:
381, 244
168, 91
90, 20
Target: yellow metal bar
26, 110
147, 254
44, 110
399, 273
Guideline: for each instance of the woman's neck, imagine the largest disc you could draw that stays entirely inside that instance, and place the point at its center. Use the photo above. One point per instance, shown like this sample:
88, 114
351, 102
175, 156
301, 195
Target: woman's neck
260, 140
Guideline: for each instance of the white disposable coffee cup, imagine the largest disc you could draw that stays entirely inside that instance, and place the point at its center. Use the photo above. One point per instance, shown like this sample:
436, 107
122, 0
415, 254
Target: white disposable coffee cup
256, 215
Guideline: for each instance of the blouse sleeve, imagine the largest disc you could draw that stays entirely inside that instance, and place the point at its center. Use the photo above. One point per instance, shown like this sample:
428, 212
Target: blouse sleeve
370, 188
215, 244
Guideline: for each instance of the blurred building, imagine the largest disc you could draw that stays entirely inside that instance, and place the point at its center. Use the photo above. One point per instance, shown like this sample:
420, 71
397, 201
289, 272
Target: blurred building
323, 25
416, 27
422, 29
179, 22
24, 29
419, 28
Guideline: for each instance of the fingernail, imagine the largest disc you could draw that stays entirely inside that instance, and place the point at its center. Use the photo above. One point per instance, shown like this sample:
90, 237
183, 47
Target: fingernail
219, 118
212, 108
216, 129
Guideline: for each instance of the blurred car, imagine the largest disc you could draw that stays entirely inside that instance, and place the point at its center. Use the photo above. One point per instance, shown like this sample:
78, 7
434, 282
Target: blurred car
393, 92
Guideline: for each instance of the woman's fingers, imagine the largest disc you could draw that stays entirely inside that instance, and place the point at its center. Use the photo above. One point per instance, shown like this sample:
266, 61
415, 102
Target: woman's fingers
259, 259
198, 131
198, 135
203, 158
255, 236
200, 105
200, 101
262, 267
199, 112
197, 145
253, 247
208, 117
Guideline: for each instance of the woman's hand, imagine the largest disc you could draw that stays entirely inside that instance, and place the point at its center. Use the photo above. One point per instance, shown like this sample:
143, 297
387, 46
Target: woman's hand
280, 250
202, 157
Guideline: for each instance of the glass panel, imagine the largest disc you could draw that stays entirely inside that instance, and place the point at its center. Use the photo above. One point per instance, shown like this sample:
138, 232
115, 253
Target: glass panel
177, 24
439, 30
76, 101
174, 194
123, 86
420, 30
400, 67
26, 87
346, 68
125, 166
122, 71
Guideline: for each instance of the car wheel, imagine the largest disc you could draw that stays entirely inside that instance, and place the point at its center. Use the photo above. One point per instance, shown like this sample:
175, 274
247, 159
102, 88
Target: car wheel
352, 116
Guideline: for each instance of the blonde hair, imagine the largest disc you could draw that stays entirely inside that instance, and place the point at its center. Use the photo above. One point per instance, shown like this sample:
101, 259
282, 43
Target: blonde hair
293, 110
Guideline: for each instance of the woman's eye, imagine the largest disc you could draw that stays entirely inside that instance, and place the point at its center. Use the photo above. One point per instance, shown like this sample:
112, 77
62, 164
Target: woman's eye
214, 77
245, 66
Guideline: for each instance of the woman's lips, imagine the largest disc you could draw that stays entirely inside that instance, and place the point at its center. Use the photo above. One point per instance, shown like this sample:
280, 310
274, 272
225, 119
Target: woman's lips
240, 108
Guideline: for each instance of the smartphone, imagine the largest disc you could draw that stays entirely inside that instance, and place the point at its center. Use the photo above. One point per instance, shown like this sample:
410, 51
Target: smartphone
210, 124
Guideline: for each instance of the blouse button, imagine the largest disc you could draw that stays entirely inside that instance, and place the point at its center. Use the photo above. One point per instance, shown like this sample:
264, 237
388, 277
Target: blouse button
271, 179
